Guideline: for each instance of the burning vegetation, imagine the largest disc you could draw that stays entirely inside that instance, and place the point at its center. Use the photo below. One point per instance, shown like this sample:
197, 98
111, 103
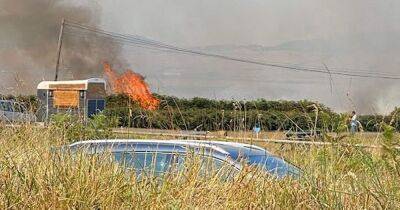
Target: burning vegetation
133, 85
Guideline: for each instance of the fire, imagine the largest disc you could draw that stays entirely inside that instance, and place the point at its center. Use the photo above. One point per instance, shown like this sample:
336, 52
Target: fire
133, 85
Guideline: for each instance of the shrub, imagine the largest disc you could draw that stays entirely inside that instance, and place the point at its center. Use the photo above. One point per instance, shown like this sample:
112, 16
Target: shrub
72, 128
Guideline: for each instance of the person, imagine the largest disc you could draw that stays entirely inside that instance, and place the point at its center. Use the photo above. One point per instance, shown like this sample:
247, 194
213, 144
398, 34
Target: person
257, 129
353, 122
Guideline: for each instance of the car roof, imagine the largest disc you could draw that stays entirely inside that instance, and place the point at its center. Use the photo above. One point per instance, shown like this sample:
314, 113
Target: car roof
236, 149
232, 149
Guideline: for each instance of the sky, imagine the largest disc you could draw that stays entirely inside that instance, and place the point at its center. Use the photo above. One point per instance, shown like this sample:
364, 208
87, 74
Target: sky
359, 35
264, 22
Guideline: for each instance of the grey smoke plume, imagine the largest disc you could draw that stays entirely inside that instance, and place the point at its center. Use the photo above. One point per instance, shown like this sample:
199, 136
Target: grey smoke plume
28, 43
356, 34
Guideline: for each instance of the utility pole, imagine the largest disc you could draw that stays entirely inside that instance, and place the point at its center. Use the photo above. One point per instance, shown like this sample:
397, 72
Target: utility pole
59, 45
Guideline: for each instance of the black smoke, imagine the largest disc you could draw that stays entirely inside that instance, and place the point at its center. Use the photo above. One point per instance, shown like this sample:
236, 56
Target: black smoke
28, 42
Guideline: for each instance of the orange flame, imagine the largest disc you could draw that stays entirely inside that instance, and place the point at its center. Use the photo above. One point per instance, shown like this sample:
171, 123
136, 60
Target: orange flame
133, 85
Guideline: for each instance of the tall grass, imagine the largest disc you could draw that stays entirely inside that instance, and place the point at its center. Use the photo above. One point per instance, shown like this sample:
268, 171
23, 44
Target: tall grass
32, 175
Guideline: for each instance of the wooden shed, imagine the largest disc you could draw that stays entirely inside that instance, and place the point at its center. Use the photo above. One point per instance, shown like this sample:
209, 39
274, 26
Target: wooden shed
80, 97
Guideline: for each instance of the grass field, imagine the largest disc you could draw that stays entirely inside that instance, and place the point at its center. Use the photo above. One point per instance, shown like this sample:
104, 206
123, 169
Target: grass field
32, 175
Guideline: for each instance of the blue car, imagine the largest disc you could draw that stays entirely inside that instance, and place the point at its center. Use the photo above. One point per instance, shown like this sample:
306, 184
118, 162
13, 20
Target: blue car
161, 154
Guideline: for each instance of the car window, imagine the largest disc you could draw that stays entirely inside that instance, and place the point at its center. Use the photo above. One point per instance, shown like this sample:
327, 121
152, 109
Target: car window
149, 161
6, 106
211, 166
160, 163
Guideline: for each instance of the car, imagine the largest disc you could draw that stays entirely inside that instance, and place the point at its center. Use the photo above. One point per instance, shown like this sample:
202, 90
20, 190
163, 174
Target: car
11, 111
161, 154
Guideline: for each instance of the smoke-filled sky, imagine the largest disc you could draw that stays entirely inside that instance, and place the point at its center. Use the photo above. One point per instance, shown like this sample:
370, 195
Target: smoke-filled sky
356, 35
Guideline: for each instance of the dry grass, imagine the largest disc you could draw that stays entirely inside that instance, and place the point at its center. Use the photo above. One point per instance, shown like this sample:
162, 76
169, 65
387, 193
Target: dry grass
32, 176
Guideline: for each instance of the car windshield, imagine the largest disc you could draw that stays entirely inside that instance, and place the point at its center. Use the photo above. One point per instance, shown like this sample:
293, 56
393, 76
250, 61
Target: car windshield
274, 165
260, 157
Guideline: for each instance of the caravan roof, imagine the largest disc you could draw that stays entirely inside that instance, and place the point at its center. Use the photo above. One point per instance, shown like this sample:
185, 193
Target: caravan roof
80, 84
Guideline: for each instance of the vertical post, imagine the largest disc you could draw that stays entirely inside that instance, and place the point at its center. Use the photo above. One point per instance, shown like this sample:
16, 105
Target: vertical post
130, 113
47, 106
222, 123
258, 123
129, 116
59, 45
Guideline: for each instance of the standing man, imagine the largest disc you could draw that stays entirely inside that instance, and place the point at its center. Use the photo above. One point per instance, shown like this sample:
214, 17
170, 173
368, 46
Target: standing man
257, 129
353, 122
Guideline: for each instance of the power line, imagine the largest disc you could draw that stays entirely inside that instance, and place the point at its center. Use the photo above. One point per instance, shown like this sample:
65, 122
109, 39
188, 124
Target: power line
137, 40
136, 44
110, 39
142, 41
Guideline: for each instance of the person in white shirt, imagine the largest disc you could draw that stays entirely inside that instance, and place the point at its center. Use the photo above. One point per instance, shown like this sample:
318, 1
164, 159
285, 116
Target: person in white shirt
353, 122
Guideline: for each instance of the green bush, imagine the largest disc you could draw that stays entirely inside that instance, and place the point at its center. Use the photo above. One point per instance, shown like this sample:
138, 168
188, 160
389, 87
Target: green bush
72, 128
208, 114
